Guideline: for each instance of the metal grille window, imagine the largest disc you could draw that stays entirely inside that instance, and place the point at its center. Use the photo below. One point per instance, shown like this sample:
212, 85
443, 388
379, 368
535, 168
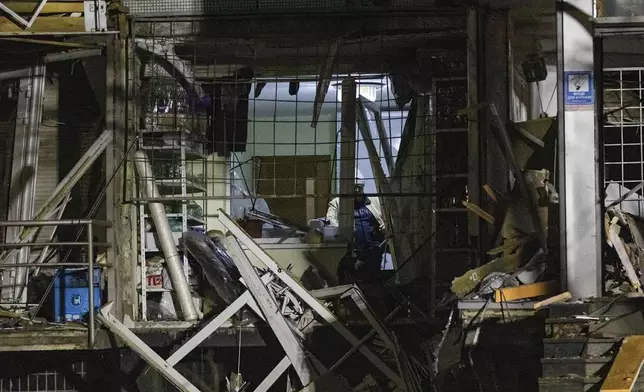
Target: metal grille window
227, 116
623, 141
45, 381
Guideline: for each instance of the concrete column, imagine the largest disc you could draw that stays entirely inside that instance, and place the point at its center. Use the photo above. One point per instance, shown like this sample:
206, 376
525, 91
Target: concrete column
579, 186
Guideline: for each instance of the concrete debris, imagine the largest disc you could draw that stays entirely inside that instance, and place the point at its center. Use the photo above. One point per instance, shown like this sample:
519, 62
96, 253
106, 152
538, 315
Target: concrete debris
520, 259
625, 234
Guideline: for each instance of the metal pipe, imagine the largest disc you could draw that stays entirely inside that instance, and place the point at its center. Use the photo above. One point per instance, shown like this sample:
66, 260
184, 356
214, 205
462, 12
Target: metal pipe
55, 222
362, 341
46, 265
37, 244
90, 281
14, 74
172, 259
35, 85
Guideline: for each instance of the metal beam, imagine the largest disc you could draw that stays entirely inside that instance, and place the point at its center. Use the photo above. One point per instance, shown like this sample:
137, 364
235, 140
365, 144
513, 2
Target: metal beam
72, 55
274, 375
63, 189
218, 321
274, 318
610, 26
322, 88
152, 358
305, 296
52, 58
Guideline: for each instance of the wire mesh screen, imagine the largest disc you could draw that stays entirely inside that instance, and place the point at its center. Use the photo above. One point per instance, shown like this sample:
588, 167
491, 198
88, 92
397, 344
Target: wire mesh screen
251, 116
623, 152
146, 8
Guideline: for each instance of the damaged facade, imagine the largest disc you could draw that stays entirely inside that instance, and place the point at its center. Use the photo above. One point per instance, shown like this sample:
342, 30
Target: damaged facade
382, 195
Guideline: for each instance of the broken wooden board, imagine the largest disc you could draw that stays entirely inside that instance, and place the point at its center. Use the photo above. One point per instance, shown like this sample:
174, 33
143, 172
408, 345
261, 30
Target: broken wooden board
21, 7
565, 296
526, 291
478, 211
528, 136
626, 367
620, 248
49, 24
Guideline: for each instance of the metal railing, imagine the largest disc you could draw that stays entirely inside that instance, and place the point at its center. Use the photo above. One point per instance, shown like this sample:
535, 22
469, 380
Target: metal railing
90, 244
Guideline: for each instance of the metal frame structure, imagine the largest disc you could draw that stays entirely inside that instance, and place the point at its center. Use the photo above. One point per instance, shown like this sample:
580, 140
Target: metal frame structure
24, 168
180, 152
90, 244
602, 28
272, 297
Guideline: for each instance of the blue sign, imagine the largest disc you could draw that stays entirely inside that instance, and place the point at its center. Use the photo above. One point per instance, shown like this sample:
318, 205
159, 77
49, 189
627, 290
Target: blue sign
579, 88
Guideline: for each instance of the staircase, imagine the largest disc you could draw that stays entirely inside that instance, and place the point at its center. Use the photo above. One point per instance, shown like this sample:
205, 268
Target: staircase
579, 351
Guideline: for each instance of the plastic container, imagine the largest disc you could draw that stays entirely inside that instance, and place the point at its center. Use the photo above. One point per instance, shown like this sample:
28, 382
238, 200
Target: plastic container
71, 294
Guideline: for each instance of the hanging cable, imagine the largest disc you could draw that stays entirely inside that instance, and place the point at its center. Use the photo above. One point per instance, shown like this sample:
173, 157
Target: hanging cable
239, 351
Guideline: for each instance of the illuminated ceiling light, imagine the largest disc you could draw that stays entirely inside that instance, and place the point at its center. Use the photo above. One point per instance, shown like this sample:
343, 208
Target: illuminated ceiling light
367, 88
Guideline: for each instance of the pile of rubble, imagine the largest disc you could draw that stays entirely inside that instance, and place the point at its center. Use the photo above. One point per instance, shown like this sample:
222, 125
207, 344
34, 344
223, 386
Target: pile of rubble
522, 222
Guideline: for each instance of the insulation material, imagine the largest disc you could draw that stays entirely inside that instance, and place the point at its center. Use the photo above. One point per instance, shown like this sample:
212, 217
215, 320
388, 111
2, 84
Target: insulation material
216, 264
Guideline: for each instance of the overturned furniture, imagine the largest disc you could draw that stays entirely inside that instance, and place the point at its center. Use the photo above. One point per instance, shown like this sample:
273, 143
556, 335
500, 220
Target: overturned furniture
290, 311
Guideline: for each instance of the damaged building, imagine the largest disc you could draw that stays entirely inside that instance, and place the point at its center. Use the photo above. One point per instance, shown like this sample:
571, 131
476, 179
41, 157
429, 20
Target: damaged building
377, 195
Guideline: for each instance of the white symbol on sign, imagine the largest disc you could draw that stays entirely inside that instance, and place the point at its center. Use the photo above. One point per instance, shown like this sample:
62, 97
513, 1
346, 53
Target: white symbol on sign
579, 83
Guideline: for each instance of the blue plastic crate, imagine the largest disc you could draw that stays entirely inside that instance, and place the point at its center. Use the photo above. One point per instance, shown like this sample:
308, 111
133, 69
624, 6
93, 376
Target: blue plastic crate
71, 294
76, 277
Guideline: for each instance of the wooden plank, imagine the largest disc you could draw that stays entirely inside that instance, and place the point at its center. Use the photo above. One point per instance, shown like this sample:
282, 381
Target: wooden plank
348, 136
49, 24
28, 7
478, 211
626, 367
526, 291
310, 200
553, 300
63, 44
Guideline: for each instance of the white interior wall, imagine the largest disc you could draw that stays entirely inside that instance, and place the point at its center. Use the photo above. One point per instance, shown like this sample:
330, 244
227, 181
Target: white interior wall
394, 123
285, 136
217, 175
